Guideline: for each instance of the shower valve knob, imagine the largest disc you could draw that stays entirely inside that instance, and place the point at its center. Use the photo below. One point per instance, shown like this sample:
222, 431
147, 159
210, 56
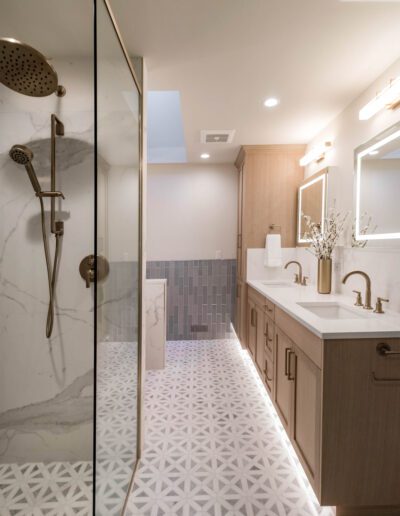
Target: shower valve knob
87, 269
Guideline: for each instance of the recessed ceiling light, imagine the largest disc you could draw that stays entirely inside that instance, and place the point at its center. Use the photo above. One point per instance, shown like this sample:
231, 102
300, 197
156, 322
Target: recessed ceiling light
204, 155
373, 152
271, 102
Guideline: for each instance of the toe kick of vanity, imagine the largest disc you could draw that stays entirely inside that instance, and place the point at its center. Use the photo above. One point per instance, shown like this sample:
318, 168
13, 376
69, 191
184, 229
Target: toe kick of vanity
339, 402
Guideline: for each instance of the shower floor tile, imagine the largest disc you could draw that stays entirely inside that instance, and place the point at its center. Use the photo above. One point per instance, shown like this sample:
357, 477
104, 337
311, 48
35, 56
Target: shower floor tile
214, 444
65, 488
53, 489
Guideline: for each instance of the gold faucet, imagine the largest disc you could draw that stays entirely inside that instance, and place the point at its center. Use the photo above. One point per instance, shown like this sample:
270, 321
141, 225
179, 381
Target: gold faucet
367, 304
298, 277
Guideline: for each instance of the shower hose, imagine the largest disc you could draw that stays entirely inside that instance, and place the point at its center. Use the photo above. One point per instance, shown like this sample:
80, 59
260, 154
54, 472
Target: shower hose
51, 269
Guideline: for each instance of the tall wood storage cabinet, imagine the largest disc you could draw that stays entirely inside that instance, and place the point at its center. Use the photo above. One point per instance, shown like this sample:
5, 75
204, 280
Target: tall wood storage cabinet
269, 176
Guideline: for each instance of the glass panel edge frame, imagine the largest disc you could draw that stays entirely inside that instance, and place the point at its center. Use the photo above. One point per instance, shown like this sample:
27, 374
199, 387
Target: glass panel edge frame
140, 266
322, 175
374, 143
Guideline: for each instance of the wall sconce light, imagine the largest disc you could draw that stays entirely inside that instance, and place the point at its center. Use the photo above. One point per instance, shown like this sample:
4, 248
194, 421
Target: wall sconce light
316, 154
388, 98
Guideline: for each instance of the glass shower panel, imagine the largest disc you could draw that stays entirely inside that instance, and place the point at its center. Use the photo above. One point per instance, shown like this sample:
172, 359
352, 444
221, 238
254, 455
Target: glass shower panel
46, 382
118, 170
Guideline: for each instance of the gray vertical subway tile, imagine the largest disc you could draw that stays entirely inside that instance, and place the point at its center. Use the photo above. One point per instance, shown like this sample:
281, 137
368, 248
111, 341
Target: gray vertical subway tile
199, 292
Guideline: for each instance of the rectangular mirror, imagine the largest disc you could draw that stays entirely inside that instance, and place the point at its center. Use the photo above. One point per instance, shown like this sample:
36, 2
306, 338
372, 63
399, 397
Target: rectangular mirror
377, 187
311, 202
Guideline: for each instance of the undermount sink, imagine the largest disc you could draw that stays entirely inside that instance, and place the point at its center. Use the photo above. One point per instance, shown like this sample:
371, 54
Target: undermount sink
331, 310
277, 283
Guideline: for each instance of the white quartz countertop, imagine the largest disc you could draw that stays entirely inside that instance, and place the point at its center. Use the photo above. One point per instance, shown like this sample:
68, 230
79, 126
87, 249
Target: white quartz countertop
368, 325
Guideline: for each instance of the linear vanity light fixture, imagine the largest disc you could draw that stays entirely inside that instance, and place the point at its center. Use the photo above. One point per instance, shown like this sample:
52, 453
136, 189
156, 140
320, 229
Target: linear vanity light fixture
316, 154
388, 98
370, 150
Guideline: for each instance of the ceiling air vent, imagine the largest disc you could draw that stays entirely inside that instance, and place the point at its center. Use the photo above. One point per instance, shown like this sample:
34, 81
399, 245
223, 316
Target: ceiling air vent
217, 136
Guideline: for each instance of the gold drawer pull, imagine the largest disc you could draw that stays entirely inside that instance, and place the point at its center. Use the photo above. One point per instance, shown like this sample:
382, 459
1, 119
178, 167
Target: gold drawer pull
385, 381
290, 377
287, 351
384, 350
266, 371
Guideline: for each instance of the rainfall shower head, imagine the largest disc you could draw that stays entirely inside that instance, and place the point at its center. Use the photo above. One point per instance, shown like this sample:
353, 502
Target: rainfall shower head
23, 156
25, 70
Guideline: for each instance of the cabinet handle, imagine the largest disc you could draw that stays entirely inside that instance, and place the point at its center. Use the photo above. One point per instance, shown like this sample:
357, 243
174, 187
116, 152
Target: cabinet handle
385, 350
268, 309
295, 365
266, 371
384, 381
253, 317
287, 350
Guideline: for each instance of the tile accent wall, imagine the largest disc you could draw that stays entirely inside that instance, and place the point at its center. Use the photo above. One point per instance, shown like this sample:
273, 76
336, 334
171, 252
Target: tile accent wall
200, 293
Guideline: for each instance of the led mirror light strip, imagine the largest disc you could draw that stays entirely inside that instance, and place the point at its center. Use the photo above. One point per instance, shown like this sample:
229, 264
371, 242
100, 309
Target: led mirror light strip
316, 154
389, 97
307, 185
360, 155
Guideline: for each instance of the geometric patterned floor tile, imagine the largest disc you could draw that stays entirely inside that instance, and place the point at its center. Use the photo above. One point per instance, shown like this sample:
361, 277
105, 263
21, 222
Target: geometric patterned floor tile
214, 444
65, 488
53, 489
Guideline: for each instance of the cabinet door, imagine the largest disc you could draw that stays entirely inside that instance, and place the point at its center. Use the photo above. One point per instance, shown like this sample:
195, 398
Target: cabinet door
307, 412
260, 342
251, 327
283, 383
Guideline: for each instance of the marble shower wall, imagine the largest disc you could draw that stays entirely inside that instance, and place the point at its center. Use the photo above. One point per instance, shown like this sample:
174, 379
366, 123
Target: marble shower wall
118, 311
46, 385
200, 297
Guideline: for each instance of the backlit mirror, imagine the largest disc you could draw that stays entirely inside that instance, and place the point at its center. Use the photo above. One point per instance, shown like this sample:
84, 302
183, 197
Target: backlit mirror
377, 188
311, 202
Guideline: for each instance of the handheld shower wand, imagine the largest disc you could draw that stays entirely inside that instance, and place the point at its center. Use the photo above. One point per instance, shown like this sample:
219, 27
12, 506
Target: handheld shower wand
22, 155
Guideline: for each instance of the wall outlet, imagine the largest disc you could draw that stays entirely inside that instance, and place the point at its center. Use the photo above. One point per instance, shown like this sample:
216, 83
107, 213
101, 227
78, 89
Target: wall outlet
218, 255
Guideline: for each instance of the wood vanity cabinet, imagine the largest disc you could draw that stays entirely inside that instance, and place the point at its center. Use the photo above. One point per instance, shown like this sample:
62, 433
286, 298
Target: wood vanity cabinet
269, 176
339, 402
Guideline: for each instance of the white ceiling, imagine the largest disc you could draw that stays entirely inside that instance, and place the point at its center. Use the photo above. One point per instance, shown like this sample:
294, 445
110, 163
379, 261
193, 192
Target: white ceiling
227, 56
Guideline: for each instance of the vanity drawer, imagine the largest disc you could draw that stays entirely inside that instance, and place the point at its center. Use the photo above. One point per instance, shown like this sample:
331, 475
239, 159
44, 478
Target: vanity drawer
262, 302
308, 342
269, 308
256, 297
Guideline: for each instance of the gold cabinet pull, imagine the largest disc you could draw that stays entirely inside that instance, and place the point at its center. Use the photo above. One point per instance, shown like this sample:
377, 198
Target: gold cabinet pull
253, 317
384, 381
266, 371
290, 377
384, 350
287, 351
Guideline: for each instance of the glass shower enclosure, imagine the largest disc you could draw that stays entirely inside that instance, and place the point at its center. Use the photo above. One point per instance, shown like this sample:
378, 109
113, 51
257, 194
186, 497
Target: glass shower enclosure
70, 259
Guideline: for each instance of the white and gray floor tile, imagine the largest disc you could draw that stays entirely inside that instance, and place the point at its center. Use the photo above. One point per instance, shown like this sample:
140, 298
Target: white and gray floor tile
214, 443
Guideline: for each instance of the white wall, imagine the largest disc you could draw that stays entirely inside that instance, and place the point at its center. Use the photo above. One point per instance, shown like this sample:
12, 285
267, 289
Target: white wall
192, 211
347, 133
